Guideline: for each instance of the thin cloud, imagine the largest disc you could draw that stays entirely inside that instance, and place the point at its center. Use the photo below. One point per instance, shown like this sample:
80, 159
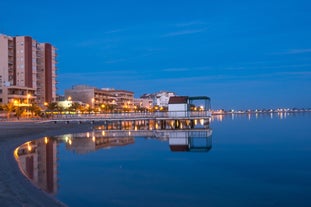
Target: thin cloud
82, 78
188, 24
96, 42
116, 61
256, 67
127, 58
184, 32
302, 73
87, 43
114, 31
175, 69
299, 51
294, 51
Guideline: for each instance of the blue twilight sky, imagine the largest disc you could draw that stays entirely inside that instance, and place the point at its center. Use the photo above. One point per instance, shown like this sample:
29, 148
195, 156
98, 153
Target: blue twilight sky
243, 54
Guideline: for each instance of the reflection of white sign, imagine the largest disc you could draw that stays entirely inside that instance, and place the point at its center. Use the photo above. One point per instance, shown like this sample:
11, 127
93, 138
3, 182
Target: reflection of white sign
199, 141
178, 138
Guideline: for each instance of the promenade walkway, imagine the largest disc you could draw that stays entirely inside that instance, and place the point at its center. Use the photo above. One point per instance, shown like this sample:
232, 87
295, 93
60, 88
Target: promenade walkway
132, 116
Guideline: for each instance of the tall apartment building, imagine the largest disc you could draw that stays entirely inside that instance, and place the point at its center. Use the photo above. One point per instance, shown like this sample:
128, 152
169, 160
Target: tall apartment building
27, 70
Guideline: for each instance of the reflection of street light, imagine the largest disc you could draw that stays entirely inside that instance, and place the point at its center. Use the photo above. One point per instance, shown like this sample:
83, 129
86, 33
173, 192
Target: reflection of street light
29, 146
103, 107
69, 98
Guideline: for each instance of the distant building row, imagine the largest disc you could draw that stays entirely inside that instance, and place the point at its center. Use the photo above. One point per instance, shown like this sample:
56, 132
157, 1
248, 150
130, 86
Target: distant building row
117, 100
27, 70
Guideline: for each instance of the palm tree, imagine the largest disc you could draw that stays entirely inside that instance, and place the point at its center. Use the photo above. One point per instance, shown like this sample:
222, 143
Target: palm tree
52, 106
74, 107
35, 109
19, 111
60, 109
9, 108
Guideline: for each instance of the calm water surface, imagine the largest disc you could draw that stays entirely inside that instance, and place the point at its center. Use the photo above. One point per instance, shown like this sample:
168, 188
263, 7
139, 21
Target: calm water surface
247, 161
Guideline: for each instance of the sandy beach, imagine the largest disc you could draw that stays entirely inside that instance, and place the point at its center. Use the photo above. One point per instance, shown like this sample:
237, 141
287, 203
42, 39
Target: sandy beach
15, 189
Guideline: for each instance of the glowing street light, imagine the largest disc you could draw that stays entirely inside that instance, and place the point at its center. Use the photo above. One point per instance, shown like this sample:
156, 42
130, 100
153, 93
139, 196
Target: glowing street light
28, 97
93, 100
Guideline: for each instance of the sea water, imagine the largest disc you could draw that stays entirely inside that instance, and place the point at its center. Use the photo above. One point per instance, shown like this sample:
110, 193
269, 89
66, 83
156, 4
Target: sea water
243, 160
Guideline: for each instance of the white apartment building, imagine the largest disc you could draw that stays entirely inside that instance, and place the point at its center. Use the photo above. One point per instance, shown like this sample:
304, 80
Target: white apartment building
162, 98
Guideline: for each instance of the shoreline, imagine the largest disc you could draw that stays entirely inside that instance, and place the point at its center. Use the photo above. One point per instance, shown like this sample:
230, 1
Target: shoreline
15, 188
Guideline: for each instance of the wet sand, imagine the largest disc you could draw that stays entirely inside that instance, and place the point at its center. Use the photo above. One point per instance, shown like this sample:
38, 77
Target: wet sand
15, 189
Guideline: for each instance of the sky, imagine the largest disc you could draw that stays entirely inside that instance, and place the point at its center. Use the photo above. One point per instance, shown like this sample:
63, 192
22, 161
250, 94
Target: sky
242, 54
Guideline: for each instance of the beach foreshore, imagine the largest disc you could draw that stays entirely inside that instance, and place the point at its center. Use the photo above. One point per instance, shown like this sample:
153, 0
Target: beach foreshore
15, 189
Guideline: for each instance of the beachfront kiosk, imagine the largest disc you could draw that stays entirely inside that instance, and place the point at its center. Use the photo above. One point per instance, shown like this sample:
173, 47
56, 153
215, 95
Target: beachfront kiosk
184, 106
184, 111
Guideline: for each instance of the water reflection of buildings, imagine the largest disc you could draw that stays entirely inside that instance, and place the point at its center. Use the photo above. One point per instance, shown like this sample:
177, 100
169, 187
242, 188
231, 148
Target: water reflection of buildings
82, 144
38, 161
187, 137
198, 141
179, 140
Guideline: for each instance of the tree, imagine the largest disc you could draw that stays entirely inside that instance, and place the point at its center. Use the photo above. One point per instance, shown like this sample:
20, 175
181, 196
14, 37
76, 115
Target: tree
9, 108
83, 109
60, 109
52, 106
35, 109
75, 107
19, 111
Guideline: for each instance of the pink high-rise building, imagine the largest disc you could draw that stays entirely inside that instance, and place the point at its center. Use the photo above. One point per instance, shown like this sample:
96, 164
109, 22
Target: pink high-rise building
27, 71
